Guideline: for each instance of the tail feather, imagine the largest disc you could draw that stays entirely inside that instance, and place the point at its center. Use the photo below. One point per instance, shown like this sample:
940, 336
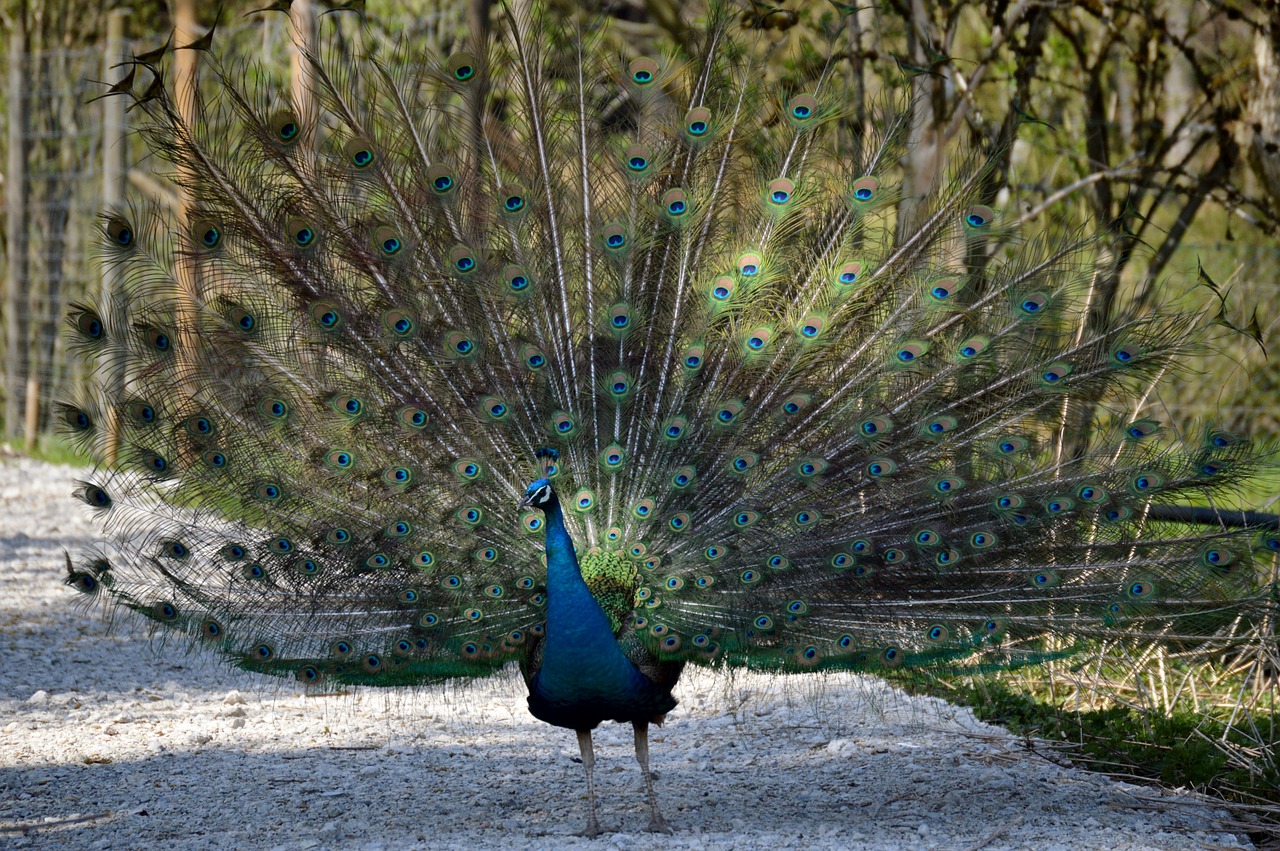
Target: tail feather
823, 444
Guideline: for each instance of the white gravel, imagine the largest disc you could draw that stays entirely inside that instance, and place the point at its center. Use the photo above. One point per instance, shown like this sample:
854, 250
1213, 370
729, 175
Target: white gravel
110, 740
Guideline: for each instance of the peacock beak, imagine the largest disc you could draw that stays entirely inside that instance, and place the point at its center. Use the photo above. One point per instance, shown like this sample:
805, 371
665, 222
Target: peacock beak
526, 501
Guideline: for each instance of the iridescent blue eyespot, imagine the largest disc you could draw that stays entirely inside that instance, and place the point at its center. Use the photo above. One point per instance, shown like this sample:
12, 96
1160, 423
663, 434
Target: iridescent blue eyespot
120, 231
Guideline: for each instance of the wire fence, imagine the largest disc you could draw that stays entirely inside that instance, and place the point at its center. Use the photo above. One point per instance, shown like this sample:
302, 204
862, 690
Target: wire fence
62, 141
71, 157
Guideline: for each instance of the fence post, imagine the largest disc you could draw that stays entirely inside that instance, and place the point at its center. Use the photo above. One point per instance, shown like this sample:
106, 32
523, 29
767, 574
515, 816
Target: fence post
185, 95
113, 119
301, 78
114, 170
15, 301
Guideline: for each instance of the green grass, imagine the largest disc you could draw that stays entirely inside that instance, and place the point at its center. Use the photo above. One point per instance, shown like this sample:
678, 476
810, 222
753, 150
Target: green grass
1206, 745
55, 450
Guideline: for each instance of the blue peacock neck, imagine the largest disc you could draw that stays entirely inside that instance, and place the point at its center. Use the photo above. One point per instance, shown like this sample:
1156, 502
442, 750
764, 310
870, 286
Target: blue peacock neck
582, 660
574, 619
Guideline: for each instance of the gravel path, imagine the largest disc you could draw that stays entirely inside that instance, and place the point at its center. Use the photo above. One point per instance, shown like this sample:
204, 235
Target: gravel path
111, 741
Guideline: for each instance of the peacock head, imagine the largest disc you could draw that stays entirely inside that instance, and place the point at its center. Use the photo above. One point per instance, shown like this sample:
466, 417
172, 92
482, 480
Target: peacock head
540, 494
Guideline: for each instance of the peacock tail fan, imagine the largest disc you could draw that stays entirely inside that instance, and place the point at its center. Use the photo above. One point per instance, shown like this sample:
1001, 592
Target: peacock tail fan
800, 422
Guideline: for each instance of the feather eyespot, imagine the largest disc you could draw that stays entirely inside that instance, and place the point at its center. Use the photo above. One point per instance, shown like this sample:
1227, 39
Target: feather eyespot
388, 242
1033, 304
638, 159
326, 315
794, 404
983, 540
563, 424
847, 274
878, 468
875, 427
206, 235
801, 110
517, 280
200, 427
943, 290
614, 237
496, 408
911, 351
533, 358
697, 123
399, 323
864, 189
285, 129
119, 232
241, 319
441, 179
757, 339
462, 67
1054, 373
722, 289
301, 234
513, 200
359, 152
348, 406
642, 71
460, 345
675, 204
1141, 429
619, 317
77, 419
729, 413
468, 469
972, 347
780, 191
613, 456
268, 492
978, 217
811, 326
463, 260
89, 324
158, 339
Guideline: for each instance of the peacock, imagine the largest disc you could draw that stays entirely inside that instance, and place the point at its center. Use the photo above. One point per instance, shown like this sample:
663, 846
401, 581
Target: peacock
602, 366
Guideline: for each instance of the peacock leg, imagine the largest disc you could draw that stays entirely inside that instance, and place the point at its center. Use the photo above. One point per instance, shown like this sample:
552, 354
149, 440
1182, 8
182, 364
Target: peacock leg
657, 824
592, 830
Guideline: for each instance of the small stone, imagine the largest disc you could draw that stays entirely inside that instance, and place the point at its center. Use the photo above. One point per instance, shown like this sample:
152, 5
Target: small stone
40, 698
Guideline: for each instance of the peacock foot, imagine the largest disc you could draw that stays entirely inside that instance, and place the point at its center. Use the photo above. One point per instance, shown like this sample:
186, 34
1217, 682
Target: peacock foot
657, 824
592, 830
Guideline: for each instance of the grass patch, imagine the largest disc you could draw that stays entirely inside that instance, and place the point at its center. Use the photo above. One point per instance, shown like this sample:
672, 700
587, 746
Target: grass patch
55, 450
1222, 741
